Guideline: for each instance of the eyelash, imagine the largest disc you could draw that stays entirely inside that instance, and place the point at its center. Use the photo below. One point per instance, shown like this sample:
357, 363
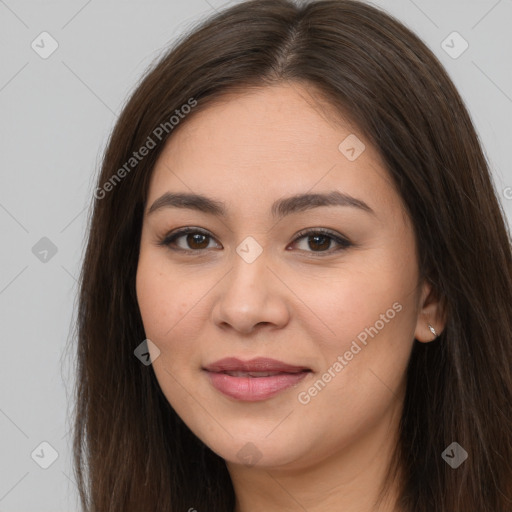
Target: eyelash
170, 238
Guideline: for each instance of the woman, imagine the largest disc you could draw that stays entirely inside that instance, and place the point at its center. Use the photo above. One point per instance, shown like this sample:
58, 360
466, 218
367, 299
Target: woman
296, 226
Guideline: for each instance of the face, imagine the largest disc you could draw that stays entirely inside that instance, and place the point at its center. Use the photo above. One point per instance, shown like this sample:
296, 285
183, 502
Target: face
329, 287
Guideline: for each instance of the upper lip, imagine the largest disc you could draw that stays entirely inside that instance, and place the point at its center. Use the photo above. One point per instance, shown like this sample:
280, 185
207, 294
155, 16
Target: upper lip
258, 364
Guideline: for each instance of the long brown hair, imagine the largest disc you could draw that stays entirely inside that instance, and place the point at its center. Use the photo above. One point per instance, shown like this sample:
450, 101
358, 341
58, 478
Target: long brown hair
132, 452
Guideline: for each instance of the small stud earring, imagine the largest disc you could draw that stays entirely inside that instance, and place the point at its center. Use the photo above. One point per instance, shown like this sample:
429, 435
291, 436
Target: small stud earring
433, 331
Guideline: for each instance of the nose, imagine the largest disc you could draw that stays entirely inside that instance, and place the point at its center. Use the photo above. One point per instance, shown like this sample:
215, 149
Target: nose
251, 297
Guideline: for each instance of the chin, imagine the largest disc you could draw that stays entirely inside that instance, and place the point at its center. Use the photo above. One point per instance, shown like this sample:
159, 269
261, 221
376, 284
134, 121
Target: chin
257, 453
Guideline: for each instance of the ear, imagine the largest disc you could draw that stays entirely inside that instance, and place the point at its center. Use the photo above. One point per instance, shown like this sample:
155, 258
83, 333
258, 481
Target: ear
432, 311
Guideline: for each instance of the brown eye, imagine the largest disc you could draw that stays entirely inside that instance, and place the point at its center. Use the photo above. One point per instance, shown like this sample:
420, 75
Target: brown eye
318, 241
188, 239
321, 241
197, 240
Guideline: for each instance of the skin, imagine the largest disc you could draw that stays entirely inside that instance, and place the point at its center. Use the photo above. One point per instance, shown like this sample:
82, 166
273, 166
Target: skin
300, 302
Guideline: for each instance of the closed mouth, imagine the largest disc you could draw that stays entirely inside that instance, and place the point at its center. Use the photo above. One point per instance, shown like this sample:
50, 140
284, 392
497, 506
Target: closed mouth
259, 374
256, 367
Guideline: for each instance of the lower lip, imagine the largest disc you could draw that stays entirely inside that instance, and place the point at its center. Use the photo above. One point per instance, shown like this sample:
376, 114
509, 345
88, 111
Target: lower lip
253, 389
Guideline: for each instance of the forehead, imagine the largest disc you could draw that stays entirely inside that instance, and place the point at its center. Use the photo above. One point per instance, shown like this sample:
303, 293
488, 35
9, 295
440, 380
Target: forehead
266, 142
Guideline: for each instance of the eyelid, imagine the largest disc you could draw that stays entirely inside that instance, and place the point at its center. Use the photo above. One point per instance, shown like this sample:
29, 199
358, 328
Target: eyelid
178, 233
342, 241
323, 231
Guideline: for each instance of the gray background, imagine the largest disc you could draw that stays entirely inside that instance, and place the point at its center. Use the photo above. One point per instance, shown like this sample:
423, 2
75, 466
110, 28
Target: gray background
56, 116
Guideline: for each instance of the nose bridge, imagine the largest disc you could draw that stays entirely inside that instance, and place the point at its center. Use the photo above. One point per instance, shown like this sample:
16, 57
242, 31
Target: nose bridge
249, 295
248, 279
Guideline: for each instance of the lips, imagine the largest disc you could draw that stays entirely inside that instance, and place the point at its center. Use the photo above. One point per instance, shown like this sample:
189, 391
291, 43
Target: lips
254, 374
257, 365
254, 380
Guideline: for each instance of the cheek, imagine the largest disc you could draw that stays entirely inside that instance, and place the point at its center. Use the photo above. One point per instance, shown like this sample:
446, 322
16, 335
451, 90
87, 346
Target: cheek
364, 363
152, 299
161, 300
370, 312
169, 322
375, 294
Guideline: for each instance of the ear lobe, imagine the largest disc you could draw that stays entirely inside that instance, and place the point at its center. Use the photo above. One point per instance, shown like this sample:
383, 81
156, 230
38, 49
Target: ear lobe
432, 315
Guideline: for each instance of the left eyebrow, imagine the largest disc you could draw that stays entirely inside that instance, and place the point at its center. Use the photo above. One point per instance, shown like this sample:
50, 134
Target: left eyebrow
280, 208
